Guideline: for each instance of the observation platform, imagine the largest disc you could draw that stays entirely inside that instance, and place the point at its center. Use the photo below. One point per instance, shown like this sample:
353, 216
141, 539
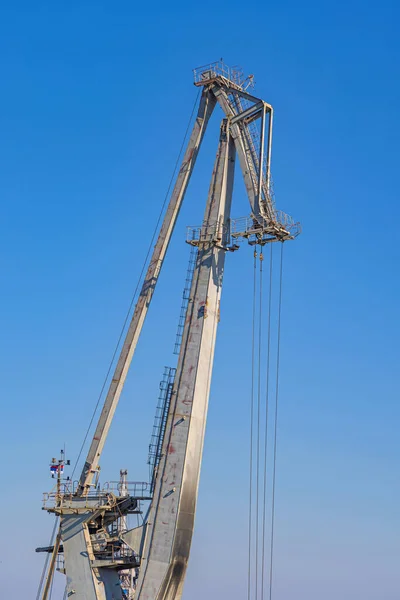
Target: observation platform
233, 76
110, 498
254, 230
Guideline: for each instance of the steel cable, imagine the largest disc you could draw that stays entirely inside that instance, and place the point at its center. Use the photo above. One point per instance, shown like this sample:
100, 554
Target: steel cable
276, 425
137, 285
264, 517
252, 423
260, 309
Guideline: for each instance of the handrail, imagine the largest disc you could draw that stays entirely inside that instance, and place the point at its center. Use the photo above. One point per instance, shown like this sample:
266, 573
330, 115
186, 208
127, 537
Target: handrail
110, 490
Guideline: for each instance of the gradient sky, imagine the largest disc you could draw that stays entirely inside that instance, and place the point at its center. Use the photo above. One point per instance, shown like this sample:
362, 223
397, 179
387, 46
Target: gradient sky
94, 101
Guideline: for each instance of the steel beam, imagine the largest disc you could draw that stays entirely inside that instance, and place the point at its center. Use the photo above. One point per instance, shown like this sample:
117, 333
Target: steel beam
242, 149
50, 573
253, 111
253, 180
171, 517
207, 104
247, 96
269, 150
261, 157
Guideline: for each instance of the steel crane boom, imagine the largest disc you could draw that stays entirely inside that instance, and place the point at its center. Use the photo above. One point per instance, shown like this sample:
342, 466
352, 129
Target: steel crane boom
171, 518
207, 104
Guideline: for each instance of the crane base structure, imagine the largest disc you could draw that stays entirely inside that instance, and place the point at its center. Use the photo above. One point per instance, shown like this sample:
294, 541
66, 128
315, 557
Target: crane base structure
94, 548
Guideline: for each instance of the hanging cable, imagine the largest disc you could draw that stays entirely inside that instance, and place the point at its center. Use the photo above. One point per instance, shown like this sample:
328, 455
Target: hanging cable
276, 424
259, 415
46, 562
137, 285
252, 422
264, 516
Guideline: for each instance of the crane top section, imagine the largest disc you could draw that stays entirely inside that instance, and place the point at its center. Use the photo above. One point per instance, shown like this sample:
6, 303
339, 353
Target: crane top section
250, 121
231, 76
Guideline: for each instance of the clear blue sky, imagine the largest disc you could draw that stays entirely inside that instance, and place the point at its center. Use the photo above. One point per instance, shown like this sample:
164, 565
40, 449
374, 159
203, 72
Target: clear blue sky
94, 100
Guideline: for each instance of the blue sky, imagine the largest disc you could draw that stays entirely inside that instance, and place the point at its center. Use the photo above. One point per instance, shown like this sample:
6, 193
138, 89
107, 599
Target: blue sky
94, 101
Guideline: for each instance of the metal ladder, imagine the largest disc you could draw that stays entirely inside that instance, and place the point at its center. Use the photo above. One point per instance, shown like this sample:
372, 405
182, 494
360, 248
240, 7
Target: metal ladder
160, 423
185, 298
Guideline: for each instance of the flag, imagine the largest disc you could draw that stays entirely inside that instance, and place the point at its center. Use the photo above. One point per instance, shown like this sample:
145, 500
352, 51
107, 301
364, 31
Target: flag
56, 468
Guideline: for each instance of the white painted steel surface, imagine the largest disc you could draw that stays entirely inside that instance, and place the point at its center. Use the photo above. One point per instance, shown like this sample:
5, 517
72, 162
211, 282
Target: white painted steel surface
171, 519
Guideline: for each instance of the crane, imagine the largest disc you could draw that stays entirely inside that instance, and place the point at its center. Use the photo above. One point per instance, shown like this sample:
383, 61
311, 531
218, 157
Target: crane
95, 552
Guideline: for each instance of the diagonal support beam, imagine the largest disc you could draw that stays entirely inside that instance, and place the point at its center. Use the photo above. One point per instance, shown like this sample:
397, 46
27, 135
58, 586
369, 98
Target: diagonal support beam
242, 150
50, 573
246, 96
251, 165
207, 104
254, 111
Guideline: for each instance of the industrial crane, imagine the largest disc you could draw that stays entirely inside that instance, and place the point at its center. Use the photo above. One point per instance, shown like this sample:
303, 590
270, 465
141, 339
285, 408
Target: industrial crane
95, 550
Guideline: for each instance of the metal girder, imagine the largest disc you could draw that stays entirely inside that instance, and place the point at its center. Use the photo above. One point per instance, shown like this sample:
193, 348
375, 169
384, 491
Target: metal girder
243, 151
253, 111
252, 166
171, 517
50, 573
269, 149
207, 104
246, 96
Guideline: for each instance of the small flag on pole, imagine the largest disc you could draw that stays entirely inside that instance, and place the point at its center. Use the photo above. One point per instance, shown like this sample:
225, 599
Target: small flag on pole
56, 468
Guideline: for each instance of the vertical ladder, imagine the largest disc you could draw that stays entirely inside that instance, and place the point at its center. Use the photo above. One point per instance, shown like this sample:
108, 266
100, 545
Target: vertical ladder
166, 384
160, 422
185, 298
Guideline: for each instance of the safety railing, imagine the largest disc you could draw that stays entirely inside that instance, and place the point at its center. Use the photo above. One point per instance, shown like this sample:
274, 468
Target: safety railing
59, 500
215, 232
136, 489
117, 554
281, 228
105, 495
218, 69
